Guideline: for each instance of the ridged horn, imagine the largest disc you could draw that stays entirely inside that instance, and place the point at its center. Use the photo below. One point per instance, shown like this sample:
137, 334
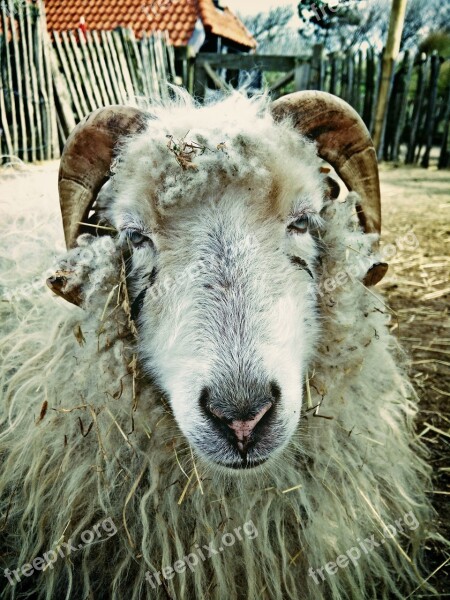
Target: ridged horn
343, 141
86, 162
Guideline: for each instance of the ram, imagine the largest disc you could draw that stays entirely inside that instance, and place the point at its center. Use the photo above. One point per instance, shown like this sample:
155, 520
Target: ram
223, 372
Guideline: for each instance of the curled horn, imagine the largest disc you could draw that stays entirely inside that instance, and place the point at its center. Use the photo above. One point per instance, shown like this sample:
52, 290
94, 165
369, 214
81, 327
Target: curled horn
86, 162
85, 167
344, 142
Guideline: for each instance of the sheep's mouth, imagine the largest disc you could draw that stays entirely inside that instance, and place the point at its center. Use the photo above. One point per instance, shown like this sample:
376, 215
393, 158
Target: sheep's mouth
230, 459
244, 464
228, 455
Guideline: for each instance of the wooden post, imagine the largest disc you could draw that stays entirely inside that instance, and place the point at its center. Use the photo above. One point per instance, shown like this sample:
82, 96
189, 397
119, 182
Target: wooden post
80, 71
89, 68
44, 102
338, 61
350, 60
10, 100
161, 68
333, 73
170, 51
112, 92
6, 146
146, 66
392, 49
123, 73
181, 64
153, 65
30, 23
431, 109
46, 48
27, 93
344, 78
67, 116
378, 71
17, 69
357, 97
369, 88
200, 80
417, 111
444, 157
125, 37
106, 47
403, 105
316, 76
143, 86
101, 88
75, 74
302, 73
191, 57
80, 112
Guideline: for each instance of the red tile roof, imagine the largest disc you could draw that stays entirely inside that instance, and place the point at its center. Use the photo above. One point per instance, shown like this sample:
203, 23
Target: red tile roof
177, 17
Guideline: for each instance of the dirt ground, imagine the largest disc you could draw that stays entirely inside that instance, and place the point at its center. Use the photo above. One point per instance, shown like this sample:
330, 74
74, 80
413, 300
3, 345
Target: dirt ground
416, 228
416, 221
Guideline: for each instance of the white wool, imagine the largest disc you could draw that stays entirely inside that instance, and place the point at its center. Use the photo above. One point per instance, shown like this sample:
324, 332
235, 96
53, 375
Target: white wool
350, 468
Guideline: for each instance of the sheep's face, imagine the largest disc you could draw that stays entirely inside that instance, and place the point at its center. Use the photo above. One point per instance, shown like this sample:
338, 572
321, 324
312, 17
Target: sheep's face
223, 282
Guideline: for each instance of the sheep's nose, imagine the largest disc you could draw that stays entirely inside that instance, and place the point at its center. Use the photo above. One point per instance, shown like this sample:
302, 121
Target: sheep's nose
243, 429
240, 426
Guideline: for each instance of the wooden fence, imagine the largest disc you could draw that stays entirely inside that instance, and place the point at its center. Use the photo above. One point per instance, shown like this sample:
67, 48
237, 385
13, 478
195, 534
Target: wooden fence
49, 83
27, 103
109, 67
419, 107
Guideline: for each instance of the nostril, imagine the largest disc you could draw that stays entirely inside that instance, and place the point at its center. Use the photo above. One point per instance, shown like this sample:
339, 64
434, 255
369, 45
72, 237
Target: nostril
205, 403
275, 390
204, 399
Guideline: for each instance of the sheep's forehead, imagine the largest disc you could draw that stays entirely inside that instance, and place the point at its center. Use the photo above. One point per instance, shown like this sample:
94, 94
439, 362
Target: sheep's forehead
175, 163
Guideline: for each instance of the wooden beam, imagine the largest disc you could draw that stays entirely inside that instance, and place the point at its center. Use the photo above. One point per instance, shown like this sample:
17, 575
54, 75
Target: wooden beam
282, 81
218, 81
247, 62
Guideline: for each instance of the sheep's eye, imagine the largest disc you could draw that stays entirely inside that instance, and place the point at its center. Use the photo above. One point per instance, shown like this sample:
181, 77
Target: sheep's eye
136, 237
300, 225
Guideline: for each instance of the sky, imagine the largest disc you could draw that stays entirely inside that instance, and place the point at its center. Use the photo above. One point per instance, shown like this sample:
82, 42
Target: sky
251, 7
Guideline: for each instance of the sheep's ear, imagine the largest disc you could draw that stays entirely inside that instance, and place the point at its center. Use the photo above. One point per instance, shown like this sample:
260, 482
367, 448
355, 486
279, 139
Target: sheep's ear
62, 285
332, 187
332, 191
375, 274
